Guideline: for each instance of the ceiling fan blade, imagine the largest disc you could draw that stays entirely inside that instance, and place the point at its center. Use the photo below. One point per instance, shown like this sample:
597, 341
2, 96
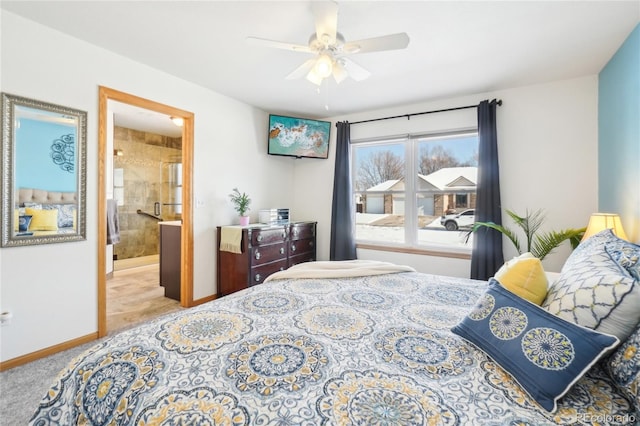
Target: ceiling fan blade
355, 71
377, 44
326, 17
302, 69
339, 72
278, 44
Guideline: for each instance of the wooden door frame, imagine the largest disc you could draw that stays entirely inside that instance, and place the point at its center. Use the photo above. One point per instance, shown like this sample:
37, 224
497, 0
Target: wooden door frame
186, 240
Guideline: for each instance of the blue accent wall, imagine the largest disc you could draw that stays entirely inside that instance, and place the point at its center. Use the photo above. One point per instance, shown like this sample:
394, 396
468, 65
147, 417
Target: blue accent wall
619, 135
34, 165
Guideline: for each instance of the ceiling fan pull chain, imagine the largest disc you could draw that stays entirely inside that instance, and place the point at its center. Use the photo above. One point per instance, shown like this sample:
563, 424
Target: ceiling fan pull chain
326, 103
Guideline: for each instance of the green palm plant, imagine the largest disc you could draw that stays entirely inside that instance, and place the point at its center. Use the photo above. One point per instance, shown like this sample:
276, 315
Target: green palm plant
538, 244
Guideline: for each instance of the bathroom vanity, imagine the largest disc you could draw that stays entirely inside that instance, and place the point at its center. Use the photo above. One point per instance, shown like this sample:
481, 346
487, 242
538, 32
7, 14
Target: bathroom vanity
170, 258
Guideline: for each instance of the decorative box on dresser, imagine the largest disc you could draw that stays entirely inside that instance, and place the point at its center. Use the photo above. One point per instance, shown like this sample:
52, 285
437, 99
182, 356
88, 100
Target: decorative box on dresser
265, 249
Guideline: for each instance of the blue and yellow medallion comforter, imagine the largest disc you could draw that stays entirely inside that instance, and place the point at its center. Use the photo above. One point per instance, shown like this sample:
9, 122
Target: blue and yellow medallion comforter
374, 350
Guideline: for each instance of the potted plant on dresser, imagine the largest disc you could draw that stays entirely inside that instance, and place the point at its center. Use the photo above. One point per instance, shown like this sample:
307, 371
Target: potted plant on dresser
241, 203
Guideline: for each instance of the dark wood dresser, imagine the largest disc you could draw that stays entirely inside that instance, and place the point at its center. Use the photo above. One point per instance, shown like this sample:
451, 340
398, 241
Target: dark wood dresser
265, 249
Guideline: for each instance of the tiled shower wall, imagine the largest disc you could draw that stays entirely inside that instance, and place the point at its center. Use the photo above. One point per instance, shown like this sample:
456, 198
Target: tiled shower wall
143, 157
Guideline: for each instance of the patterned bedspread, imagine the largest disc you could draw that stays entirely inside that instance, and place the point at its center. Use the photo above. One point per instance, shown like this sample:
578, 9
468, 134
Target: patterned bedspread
359, 351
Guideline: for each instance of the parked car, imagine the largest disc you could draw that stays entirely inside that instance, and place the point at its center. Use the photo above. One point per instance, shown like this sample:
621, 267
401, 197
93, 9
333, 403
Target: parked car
464, 219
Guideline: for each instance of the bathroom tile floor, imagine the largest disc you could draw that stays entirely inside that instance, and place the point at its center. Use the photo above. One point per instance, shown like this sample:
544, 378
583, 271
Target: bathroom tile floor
134, 295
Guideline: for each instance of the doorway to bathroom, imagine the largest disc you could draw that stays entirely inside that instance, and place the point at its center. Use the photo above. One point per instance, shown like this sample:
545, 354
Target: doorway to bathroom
146, 173
147, 182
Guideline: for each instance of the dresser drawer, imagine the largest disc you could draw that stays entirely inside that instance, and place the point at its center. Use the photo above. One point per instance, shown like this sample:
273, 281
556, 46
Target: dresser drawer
307, 245
300, 231
301, 258
259, 273
268, 253
267, 236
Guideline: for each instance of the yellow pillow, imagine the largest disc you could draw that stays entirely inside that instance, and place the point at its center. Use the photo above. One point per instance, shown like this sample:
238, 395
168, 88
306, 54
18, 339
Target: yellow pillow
524, 276
43, 220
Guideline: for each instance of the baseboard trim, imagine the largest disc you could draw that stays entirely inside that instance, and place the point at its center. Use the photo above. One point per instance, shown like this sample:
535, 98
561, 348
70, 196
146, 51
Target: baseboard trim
204, 300
42, 353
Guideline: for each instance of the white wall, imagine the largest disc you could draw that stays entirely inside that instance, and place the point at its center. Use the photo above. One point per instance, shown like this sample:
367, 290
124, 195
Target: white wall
547, 144
52, 289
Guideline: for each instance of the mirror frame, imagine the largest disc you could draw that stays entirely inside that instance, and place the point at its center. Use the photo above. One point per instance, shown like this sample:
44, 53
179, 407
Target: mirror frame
9, 191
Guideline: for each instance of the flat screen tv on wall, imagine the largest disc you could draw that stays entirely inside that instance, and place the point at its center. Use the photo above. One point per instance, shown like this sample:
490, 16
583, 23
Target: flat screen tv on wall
298, 137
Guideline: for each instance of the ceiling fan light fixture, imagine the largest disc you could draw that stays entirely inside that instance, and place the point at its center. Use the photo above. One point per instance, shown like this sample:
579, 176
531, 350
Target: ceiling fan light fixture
339, 72
313, 77
323, 66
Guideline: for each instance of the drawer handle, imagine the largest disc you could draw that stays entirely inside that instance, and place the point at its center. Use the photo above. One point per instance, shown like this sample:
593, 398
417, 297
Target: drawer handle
281, 250
257, 278
295, 232
258, 255
310, 243
284, 235
259, 238
293, 247
282, 268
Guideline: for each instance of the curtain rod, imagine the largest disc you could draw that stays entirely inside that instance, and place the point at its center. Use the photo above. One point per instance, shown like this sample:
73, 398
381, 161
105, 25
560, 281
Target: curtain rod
498, 102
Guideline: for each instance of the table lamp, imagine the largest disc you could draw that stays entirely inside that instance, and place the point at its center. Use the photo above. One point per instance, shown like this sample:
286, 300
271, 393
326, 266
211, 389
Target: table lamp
601, 221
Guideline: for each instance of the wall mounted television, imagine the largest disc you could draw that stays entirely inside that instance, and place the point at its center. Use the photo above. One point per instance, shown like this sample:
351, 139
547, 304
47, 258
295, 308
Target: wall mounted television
298, 137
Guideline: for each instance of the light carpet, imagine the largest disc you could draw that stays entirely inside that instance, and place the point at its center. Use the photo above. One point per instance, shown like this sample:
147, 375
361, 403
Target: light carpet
22, 388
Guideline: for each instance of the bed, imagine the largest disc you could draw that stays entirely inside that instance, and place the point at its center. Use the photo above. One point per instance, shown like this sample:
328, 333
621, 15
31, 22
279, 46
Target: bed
386, 346
40, 212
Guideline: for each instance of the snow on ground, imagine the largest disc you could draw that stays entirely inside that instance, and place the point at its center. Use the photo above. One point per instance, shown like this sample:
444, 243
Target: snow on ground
432, 234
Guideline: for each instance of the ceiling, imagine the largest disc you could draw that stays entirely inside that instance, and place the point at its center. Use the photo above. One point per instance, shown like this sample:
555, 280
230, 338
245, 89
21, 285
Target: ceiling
456, 48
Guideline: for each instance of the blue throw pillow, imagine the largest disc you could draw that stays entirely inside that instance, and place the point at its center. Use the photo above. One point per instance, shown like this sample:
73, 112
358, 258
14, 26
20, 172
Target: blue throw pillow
23, 223
545, 354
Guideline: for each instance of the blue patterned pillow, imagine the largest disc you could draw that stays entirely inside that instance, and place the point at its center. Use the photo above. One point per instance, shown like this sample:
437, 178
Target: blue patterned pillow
624, 367
545, 354
626, 255
23, 223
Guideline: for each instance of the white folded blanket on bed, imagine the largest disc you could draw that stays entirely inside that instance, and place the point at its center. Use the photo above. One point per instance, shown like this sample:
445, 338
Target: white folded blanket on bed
339, 269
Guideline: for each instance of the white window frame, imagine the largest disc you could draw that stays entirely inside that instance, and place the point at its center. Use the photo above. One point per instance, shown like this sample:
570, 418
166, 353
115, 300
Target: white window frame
410, 142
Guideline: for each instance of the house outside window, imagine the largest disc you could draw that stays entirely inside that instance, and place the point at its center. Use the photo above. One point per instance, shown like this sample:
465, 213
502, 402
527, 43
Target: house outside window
404, 185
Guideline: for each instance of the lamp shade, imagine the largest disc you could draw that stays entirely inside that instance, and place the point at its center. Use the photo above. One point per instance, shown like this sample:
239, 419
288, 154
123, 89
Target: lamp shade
323, 66
601, 221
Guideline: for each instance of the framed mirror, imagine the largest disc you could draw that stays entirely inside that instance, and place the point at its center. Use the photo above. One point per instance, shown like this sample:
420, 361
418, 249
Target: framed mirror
43, 172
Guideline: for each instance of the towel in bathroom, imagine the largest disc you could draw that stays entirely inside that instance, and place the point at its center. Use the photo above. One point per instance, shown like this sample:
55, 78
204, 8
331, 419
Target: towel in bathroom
231, 239
113, 225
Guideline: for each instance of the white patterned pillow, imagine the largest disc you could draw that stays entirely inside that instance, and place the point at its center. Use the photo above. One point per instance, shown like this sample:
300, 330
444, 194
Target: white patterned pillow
66, 213
594, 291
625, 253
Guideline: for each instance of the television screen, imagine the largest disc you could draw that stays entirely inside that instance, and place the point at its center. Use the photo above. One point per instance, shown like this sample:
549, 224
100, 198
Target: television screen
298, 137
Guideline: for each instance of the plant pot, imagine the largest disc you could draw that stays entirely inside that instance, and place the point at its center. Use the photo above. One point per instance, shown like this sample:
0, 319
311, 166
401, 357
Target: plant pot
244, 220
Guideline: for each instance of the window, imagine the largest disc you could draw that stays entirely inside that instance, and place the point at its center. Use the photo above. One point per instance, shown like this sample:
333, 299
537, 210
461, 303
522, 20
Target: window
462, 200
415, 190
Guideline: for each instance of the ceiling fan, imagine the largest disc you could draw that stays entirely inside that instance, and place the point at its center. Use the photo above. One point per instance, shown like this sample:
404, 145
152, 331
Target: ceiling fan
331, 50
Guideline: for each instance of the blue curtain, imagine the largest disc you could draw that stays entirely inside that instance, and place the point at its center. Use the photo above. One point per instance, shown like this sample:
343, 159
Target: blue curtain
487, 256
343, 245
